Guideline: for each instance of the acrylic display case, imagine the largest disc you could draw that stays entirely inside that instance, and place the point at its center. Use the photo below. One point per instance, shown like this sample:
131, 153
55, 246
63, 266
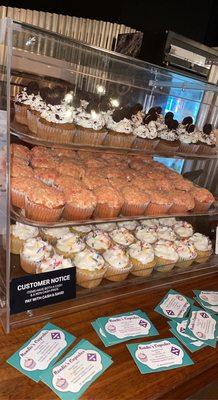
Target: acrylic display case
107, 80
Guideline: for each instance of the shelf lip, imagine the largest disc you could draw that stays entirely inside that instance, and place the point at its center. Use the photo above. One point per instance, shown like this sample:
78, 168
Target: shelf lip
17, 216
29, 138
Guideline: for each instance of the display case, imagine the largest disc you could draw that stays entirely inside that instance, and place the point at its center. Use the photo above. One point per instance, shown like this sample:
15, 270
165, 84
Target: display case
80, 130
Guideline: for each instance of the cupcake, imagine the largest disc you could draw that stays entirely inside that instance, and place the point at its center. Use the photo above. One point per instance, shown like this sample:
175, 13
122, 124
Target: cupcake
90, 127
183, 184
145, 184
165, 255
167, 222
122, 236
94, 181
98, 241
108, 227
44, 204
20, 151
42, 152
203, 199
183, 229
44, 162
120, 129
51, 235
182, 202
71, 168
186, 252
90, 268
68, 184
165, 233
146, 234
130, 225
146, 136
34, 251
203, 247
21, 105
79, 205
160, 203
135, 201
54, 263
20, 187
151, 223
81, 230
19, 233
109, 202
46, 175
18, 170
69, 245
117, 263
142, 258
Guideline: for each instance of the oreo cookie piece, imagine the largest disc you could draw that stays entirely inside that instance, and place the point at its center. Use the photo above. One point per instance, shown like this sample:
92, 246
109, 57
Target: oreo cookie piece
152, 111
45, 93
190, 128
117, 115
172, 123
158, 109
207, 129
148, 118
136, 108
169, 115
187, 121
32, 88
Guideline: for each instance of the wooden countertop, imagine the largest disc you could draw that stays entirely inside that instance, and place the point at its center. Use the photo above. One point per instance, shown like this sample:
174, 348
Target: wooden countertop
122, 381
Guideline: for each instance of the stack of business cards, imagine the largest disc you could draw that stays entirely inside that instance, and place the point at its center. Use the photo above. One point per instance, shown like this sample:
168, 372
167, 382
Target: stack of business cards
174, 305
159, 355
122, 327
207, 299
178, 328
70, 377
203, 326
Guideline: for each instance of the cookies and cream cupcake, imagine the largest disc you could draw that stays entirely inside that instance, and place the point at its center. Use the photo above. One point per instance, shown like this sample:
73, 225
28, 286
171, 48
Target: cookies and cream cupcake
54, 263
51, 235
19, 234
117, 263
90, 127
183, 229
122, 236
33, 252
203, 247
120, 129
165, 255
98, 240
142, 258
90, 268
146, 234
186, 252
69, 245
165, 233
130, 225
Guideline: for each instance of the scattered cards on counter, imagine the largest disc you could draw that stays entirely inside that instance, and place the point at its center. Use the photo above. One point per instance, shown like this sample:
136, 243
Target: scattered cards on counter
160, 355
70, 377
174, 305
41, 351
203, 325
178, 329
207, 299
122, 327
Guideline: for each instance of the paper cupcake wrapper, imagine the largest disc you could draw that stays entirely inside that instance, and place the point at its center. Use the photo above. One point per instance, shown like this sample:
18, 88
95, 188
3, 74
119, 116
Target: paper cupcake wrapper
106, 211
140, 269
184, 264
21, 113
167, 146
116, 139
145, 144
202, 206
203, 256
165, 268
131, 209
163, 262
188, 148
157, 209
72, 212
89, 136
38, 212
32, 121
177, 209
17, 198
89, 279
57, 134
117, 274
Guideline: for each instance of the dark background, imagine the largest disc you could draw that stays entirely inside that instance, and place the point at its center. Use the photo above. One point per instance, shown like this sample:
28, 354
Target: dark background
195, 19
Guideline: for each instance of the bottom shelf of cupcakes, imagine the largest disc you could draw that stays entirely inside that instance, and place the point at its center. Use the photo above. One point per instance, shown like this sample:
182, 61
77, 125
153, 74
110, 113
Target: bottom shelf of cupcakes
112, 252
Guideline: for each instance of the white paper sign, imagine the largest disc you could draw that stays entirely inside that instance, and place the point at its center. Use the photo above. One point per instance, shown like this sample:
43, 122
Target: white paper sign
159, 355
125, 326
175, 306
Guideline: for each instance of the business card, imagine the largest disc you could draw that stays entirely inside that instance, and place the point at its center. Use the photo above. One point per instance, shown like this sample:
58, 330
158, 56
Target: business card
160, 355
207, 299
178, 329
174, 305
41, 350
70, 377
203, 325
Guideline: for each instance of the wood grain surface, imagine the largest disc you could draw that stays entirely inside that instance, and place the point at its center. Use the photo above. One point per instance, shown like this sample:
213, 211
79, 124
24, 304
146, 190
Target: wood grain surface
122, 381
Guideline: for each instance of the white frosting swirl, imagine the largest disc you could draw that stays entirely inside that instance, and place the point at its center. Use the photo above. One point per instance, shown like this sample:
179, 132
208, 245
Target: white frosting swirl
130, 225
166, 233
123, 126
54, 263
89, 260
167, 221
167, 135
24, 232
146, 234
70, 243
56, 233
166, 250
91, 120
148, 131
116, 257
137, 119
201, 242
108, 227
142, 252
185, 250
183, 229
59, 114
98, 240
122, 236
150, 223
36, 250
83, 228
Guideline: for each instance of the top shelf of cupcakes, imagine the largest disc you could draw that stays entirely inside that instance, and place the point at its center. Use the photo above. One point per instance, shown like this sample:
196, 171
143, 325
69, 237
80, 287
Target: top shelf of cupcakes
48, 116
57, 186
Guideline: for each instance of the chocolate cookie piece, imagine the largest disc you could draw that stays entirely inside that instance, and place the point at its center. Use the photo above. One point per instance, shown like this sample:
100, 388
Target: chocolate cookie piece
169, 115
187, 120
190, 128
148, 118
207, 129
158, 109
32, 88
136, 108
172, 123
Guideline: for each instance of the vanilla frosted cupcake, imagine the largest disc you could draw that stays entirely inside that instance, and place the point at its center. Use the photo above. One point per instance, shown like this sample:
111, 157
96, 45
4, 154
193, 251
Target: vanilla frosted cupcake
90, 268
130, 225
34, 251
69, 245
122, 237
203, 246
186, 252
183, 229
108, 227
146, 234
54, 263
167, 221
166, 233
81, 230
165, 255
117, 263
20, 233
142, 258
51, 235
151, 223
98, 241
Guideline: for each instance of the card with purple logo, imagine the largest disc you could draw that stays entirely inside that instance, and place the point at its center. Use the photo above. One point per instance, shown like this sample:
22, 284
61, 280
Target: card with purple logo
208, 299
174, 305
122, 327
70, 377
178, 328
160, 355
42, 350
203, 325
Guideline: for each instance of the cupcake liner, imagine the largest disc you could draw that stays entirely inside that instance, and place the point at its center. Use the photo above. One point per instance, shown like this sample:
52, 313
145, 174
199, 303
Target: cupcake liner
202, 206
117, 274
202, 256
57, 133
167, 146
163, 262
117, 139
157, 209
17, 198
28, 266
188, 148
174, 209
206, 149
165, 268
89, 279
106, 211
73, 212
132, 209
89, 136
38, 212
32, 118
145, 144
184, 264
16, 244
140, 269
21, 113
